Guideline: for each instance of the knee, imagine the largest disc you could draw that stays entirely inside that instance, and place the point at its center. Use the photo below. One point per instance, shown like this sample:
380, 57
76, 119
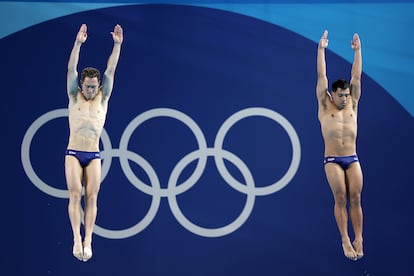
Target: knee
355, 199
91, 193
75, 195
91, 198
340, 199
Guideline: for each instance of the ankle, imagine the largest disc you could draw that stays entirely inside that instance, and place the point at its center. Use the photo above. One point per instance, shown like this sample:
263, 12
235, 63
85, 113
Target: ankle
77, 240
87, 242
360, 240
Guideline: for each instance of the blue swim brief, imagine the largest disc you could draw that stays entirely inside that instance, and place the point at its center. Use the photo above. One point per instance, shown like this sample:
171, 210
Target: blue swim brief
343, 161
84, 157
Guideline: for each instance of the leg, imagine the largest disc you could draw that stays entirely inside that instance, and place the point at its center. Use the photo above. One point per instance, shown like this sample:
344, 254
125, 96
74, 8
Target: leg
336, 179
354, 176
73, 172
92, 185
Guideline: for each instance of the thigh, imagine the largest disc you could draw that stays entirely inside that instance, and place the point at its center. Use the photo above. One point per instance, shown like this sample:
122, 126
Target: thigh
355, 178
73, 173
93, 176
336, 178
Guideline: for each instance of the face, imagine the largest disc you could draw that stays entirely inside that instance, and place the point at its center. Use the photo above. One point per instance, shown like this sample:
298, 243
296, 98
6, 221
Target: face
90, 87
341, 97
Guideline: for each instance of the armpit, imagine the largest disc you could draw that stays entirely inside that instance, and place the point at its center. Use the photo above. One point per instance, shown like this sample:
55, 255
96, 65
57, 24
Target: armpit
73, 96
323, 97
354, 103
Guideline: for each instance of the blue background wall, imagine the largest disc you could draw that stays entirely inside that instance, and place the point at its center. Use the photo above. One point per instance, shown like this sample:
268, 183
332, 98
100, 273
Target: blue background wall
194, 78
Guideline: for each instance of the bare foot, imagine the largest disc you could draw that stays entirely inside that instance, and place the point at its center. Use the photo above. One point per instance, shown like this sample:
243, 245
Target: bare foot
87, 252
78, 250
358, 248
349, 251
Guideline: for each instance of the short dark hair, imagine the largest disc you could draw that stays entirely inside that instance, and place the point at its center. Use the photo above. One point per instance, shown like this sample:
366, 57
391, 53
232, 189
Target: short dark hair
90, 72
341, 83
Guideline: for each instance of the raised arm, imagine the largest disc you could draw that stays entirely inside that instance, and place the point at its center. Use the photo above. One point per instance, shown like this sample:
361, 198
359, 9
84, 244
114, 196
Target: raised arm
356, 70
72, 76
108, 80
322, 83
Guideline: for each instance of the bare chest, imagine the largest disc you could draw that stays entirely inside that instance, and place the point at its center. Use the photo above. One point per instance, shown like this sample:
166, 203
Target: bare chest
82, 112
339, 124
339, 118
88, 110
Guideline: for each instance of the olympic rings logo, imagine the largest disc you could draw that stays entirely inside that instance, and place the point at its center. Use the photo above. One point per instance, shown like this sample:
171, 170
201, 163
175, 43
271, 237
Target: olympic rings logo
174, 188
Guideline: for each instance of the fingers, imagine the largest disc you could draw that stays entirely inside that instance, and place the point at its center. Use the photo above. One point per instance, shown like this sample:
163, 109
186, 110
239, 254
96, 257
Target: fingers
82, 34
356, 36
323, 43
117, 34
356, 43
83, 28
118, 29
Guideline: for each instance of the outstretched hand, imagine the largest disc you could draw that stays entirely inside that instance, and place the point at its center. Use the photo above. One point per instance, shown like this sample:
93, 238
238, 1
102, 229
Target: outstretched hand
117, 34
82, 34
356, 43
323, 42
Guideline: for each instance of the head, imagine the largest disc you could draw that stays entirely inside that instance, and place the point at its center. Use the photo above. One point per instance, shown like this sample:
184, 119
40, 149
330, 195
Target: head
341, 93
90, 80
